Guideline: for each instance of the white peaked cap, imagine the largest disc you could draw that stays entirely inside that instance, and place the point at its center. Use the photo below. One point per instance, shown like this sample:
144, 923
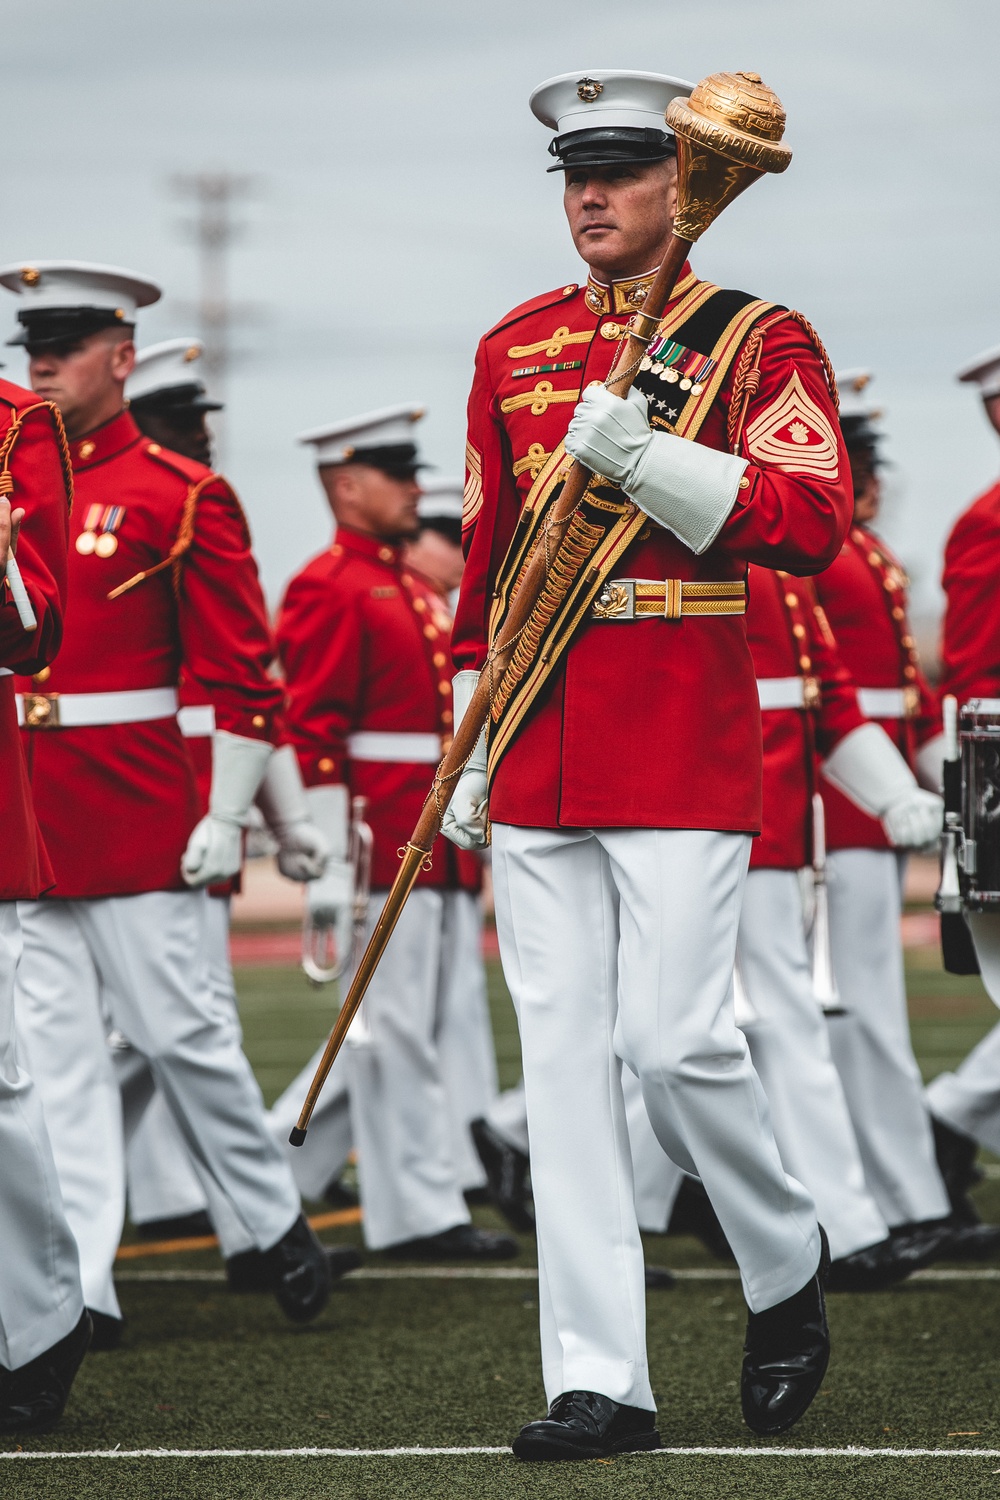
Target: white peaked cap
852, 387
606, 98
440, 498
984, 371
337, 442
168, 366
47, 284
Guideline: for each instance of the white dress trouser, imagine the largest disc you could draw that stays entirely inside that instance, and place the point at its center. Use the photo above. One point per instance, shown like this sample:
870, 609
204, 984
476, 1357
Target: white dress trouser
41, 1300
162, 1180
149, 955
386, 1094
969, 1099
618, 945
871, 1043
790, 1046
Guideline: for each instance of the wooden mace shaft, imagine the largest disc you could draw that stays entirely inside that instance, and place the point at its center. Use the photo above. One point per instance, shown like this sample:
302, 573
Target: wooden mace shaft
523, 601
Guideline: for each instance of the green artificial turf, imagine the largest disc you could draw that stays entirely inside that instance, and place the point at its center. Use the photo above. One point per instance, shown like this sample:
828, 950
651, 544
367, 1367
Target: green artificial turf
435, 1363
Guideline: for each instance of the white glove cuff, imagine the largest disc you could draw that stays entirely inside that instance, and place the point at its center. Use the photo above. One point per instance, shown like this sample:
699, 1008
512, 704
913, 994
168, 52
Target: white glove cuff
686, 487
867, 768
328, 808
930, 764
281, 797
238, 767
463, 686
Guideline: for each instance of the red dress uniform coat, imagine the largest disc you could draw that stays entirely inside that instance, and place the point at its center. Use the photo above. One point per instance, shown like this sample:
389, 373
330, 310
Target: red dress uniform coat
648, 724
864, 595
117, 802
789, 637
31, 434
365, 645
971, 647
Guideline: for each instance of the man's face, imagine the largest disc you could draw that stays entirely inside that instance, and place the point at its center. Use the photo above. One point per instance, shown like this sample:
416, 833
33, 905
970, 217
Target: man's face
183, 431
992, 405
621, 217
438, 558
369, 500
83, 376
867, 485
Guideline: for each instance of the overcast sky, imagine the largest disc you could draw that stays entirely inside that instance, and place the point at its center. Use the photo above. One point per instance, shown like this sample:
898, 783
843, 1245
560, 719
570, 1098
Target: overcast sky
404, 204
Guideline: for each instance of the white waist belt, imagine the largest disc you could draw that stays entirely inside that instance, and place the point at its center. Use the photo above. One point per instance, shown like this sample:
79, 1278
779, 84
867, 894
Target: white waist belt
781, 692
82, 710
377, 744
882, 703
196, 720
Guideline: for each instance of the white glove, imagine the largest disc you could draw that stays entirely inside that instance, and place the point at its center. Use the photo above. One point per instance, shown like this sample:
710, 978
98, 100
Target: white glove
867, 768
331, 897
302, 848
467, 813
686, 487
930, 764
215, 849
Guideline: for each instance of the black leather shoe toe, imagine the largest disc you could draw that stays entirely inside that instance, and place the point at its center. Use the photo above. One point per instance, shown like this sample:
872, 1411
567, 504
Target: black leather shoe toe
877, 1266
584, 1424
786, 1353
464, 1242
341, 1259
972, 1242
659, 1279
506, 1171
32, 1399
297, 1270
106, 1332
182, 1227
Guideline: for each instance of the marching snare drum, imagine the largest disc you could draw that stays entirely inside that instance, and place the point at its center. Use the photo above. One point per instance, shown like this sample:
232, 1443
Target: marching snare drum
979, 846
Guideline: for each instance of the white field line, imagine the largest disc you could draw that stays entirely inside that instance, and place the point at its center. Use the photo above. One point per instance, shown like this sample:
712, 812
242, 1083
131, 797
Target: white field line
699, 1452
510, 1273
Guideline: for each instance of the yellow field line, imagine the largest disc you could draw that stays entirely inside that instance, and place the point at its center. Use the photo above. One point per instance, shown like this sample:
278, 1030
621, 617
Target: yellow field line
210, 1242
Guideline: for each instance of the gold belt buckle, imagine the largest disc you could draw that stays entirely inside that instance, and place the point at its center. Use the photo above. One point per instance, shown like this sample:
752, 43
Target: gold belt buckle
911, 701
616, 601
41, 711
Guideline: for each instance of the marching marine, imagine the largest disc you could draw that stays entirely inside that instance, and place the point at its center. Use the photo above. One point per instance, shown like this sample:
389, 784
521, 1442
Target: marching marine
864, 595
624, 780
161, 580
364, 644
965, 1104
44, 1326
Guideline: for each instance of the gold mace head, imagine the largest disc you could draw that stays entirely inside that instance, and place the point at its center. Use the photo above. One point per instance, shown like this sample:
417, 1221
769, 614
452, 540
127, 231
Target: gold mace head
728, 135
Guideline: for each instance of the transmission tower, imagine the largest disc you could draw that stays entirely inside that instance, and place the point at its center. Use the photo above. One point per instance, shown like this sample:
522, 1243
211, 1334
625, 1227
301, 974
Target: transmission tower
214, 196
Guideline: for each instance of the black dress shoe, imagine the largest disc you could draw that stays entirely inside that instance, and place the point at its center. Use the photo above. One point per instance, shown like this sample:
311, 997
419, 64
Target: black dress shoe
464, 1242
693, 1214
583, 1424
297, 1270
956, 1158
32, 1398
106, 1331
659, 1279
507, 1172
926, 1239
254, 1271
339, 1195
878, 1266
786, 1353
972, 1242
183, 1227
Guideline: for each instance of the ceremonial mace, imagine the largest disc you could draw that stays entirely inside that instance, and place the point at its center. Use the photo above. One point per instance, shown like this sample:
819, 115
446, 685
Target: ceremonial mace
728, 135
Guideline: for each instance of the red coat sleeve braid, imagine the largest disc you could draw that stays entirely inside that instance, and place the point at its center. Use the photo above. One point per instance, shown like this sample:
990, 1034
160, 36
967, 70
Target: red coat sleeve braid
40, 487
489, 514
226, 640
795, 510
321, 645
970, 653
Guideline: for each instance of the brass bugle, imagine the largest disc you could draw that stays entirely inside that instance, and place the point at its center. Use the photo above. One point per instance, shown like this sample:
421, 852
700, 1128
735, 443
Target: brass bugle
728, 135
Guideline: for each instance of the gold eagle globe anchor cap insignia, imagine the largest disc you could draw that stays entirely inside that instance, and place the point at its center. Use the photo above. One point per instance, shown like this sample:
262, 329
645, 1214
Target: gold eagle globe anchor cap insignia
728, 134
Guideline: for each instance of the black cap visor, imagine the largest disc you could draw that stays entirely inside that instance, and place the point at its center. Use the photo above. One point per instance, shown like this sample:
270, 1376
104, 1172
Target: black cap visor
44, 327
171, 400
398, 460
612, 146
